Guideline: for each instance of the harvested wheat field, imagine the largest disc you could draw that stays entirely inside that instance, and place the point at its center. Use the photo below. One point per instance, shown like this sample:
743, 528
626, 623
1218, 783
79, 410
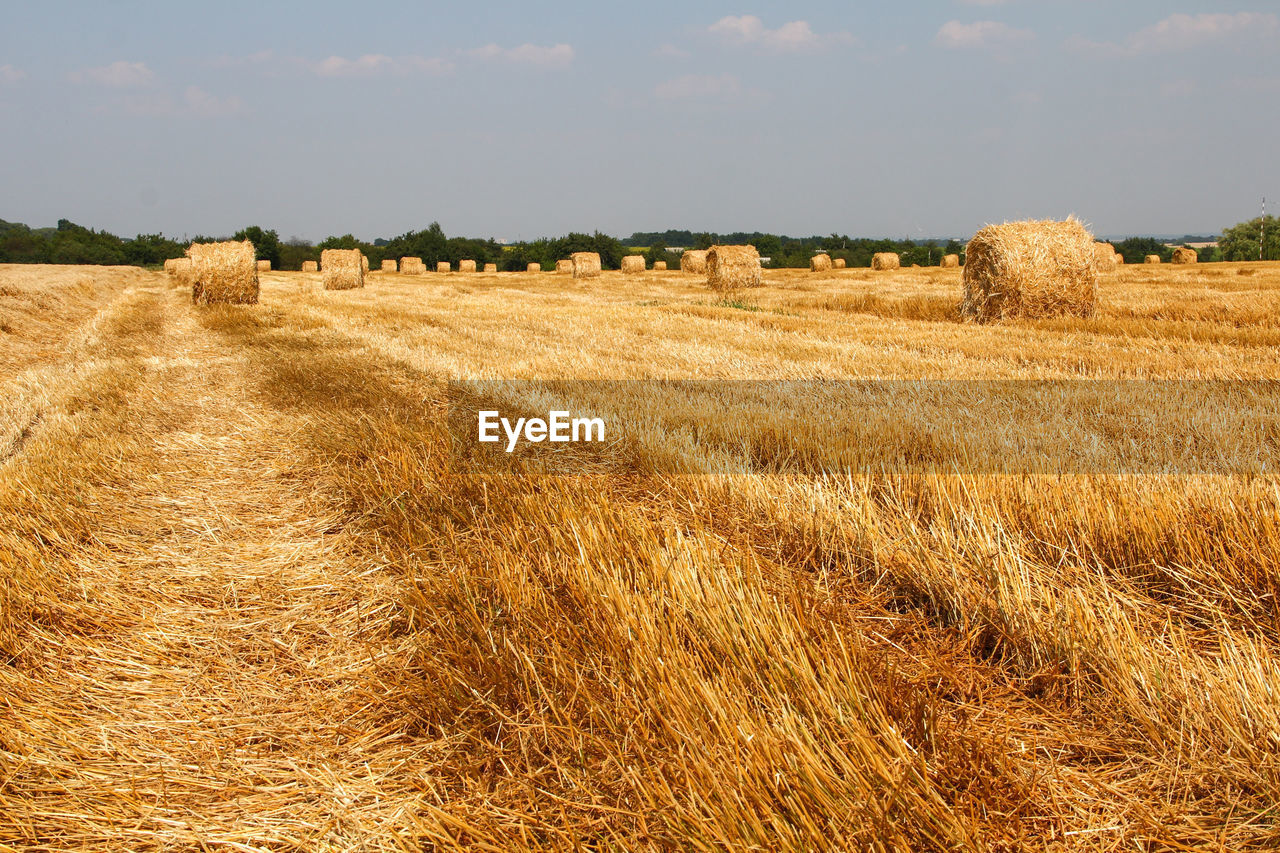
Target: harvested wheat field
259, 593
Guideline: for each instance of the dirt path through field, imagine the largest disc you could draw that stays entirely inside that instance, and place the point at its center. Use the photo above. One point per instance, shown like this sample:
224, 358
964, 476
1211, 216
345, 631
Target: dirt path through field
219, 687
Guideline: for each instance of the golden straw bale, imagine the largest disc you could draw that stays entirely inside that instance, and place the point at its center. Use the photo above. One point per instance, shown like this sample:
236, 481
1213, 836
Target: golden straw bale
223, 272
585, 264
412, 266
490, 267
839, 263
633, 264
364, 263
533, 268
170, 264
443, 266
389, 266
264, 266
466, 266
886, 261
1105, 255
659, 266
1152, 259
310, 266
342, 269
950, 262
820, 263
694, 261
182, 271
1030, 269
1185, 256
733, 267
564, 266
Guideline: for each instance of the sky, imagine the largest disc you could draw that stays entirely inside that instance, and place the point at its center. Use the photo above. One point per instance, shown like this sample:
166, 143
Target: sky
517, 120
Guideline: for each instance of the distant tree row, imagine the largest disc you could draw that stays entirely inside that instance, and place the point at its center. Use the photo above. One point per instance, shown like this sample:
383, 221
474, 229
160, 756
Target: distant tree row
796, 252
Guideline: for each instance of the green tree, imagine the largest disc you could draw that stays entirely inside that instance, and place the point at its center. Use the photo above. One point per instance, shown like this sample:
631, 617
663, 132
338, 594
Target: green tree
265, 243
1240, 242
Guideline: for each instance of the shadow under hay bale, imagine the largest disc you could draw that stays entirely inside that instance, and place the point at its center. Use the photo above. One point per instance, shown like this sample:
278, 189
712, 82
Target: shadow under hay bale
342, 268
821, 263
886, 261
223, 273
694, 261
733, 267
633, 264
1030, 269
585, 264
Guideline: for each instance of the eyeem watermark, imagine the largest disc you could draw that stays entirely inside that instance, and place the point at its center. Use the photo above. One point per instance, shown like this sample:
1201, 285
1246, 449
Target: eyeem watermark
559, 427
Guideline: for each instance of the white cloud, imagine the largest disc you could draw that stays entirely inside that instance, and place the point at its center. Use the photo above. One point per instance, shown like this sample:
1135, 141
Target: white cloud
555, 56
981, 34
1184, 32
795, 36
374, 64
698, 86
117, 75
10, 76
198, 102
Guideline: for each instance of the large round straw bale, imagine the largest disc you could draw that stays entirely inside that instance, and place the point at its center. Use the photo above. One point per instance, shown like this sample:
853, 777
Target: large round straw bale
466, 266
264, 266
1185, 256
820, 263
533, 268
659, 266
950, 262
733, 267
1105, 255
310, 266
490, 267
694, 261
886, 261
633, 264
1030, 269
585, 264
564, 265
223, 272
839, 263
443, 266
343, 269
1152, 259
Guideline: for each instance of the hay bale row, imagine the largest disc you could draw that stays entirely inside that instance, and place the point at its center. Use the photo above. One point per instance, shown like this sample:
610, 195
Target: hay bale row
820, 263
950, 262
733, 267
1186, 256
223, 272
1030, 269
310, 266
886, 261
564, 266
694, 261
533, 268
633, 264
585, 264
343, 268
659, 266
1152, 259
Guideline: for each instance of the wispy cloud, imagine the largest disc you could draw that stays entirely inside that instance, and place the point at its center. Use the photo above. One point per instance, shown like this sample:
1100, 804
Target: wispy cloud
375, 64
981, 35
795, 36
698, 86
1181, 32
117, 75
553, 56
10, 76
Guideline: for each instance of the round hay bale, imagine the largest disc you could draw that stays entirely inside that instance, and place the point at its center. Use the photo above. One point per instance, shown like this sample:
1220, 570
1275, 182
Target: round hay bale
733, 267
1030, 269
820, 263
585, 264
343, 269
223, 272
410, 265
389, 266
443, 266
364, 264
182, 271
1105, 254
659, 266
564, 266
886, 261
839, 263
311, 266
264, 266
633, 264
466, 266
169, 265
533, 268
490, 267
694, 261
950, 262
1185, 256
1152, 259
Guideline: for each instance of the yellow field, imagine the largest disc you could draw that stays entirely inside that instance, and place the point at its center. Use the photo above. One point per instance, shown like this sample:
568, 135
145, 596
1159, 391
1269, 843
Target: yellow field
254, 597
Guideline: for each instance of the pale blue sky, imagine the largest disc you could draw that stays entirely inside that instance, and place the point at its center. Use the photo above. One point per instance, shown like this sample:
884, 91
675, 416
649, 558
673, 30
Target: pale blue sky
517, 120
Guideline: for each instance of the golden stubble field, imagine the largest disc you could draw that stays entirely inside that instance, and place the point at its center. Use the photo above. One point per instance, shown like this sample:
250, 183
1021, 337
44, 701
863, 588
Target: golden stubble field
251, 600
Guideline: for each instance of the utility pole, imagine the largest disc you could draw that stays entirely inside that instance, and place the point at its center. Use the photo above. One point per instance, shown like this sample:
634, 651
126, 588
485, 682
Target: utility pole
1262, 237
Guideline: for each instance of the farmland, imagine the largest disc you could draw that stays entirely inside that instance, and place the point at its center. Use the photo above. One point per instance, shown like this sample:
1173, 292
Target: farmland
254, 596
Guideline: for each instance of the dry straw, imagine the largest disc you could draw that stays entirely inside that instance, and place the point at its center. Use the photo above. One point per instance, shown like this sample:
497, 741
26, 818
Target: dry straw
364, 263
389, 266
310, 266
443, 266
1152, 259
950, 262
733, 267
412, 266
170, 264
586, 264
533, 268
182, 271
659, 266
694, 261
343, 269
1030, 269
1185, 256
839, 263
490, 267
264, 266
564, 266
886, 261
821, 263
1105, 255
466, 266
223, 272
633, 264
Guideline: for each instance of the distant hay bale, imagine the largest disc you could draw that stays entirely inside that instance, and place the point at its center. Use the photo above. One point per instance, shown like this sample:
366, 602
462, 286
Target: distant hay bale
839, 263
264, 266
1185, 256
182, 270
1152, 259
950, 262
820, 263
364, 264
886, 261
343, 269
533, 268
490, 267
170, 264
310, 266
466, 266
633, 264
389, 266
585, 264
733, 267
1105, 254
223, 272
1030, 269
412, 266
1120, 261
564, 266
694, 261
443, 266
659, 266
